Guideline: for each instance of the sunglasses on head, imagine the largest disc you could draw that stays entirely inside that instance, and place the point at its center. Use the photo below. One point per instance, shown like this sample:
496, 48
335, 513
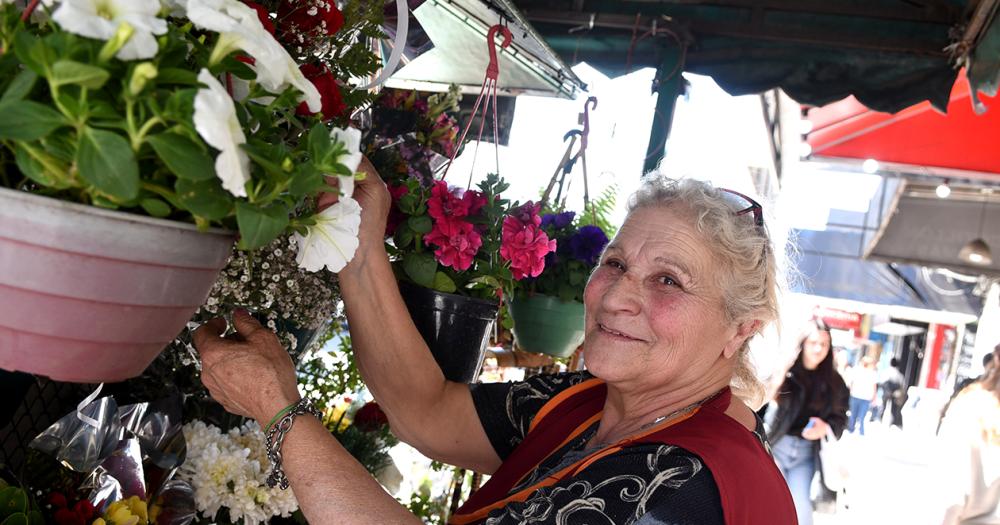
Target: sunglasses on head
755, 208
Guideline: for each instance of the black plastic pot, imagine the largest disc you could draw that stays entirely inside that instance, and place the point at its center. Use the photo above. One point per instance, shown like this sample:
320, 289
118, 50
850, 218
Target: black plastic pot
456, 328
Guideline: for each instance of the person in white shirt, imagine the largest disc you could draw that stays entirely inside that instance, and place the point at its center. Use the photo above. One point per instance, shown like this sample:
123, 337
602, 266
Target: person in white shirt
864, 384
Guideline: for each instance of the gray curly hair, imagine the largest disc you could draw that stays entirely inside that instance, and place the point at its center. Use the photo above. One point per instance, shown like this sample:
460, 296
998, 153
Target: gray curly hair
749, 271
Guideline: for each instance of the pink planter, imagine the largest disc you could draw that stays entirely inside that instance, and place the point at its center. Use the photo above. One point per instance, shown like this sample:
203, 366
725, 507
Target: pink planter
91, 295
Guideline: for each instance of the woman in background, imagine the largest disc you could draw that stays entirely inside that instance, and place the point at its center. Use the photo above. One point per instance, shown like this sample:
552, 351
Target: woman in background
811, 399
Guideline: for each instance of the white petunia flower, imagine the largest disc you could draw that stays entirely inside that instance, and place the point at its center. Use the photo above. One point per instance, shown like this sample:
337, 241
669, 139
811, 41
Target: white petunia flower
333, 241
351, 139
100, 19
216, 122
239, 28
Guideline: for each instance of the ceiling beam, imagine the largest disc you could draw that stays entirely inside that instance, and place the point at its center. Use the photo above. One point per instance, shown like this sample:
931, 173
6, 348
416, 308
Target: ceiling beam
938, 13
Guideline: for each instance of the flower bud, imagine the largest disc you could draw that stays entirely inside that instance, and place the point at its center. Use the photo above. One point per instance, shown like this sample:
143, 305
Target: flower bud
116, 42
141, 75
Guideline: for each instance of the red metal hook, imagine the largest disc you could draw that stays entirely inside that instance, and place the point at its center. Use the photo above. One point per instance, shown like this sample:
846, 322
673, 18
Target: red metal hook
493, 69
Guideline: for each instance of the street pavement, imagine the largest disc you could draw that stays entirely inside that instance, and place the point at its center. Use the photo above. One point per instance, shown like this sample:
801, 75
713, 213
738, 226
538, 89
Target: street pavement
891, 479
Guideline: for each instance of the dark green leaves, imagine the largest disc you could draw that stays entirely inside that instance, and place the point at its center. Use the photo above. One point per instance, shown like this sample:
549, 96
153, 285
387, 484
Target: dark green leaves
106, 161
72, 72
421, 267
259, 226
20, 86
183, 156
26, 120
443, 283
204, 198
421, 224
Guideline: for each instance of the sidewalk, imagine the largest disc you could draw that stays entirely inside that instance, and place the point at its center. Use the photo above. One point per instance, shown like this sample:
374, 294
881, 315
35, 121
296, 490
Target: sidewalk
890, 480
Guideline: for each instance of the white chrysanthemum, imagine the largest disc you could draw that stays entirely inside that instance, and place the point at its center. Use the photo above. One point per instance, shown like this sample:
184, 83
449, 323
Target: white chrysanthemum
239, 28
100, 19
333, 241
216, 121
229, 470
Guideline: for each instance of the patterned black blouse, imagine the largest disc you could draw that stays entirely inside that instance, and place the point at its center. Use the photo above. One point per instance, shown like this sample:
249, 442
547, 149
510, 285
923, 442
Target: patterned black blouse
644, 484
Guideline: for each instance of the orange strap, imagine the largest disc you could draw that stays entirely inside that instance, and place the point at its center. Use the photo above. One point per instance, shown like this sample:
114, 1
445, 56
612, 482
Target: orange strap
569, 471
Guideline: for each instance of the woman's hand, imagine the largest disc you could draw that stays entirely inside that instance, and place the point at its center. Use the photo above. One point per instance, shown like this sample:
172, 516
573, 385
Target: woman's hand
375, 202
249, 373
816, 430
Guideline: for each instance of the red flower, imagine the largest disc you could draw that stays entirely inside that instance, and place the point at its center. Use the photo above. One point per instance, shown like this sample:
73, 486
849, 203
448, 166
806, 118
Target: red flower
396, 216
446, 205
370, 417
305, 16
524, 243
474, 200
457, 243
262, 14
65, 516
326, 84
58, 500
84, 509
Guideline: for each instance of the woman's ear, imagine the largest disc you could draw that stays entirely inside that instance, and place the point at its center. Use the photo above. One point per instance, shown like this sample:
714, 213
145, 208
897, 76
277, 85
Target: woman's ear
744, 331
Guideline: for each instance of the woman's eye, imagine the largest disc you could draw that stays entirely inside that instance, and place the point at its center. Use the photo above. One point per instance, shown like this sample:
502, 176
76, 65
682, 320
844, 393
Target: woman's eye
615, 264
668, 281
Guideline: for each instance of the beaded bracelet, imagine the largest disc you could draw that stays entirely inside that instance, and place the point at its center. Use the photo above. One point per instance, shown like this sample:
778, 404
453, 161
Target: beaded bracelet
276, 435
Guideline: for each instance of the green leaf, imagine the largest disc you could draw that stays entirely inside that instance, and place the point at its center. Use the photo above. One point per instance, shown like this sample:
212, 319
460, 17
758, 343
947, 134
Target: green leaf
20, 86
421, 224
204, 198
567, 292
155, 207
19, 518
408, 203
173, 75
306, 180
35, 518
259, 226
183, 156
403, 238
32, 167
106, 161
26, 120
443, 283
33, 52
12, 500
72, 72
319, 143
421, 267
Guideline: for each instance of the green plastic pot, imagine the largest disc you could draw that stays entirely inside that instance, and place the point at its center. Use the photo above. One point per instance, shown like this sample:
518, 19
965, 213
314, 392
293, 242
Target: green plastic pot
546, 325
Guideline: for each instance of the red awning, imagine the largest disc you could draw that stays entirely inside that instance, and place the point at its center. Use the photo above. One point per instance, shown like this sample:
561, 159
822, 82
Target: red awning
918, 135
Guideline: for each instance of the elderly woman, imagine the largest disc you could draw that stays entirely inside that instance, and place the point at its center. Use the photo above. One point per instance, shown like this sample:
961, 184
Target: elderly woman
652, 433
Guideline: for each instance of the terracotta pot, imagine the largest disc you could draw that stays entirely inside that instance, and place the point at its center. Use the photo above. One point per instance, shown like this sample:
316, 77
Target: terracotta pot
91, 295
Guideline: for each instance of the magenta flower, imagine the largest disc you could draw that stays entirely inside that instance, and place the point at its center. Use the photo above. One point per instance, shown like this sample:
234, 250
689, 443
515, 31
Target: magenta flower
457, 243
445, 205
524, 243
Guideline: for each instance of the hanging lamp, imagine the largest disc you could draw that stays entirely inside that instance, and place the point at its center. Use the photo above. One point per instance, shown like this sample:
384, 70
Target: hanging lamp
976, 251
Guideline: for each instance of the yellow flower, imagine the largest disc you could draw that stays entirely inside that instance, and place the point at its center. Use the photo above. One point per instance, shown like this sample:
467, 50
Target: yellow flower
131, 511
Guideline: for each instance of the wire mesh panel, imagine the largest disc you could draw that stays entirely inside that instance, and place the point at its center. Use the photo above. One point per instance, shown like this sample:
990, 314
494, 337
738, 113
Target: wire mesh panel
29, 405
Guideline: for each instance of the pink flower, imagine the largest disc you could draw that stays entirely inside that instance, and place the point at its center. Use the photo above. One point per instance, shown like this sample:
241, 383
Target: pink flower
524, 243
457, 243
445, 205
474, 200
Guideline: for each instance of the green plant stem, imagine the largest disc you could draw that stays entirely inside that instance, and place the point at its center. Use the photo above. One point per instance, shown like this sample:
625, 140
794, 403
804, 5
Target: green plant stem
160, 190
144, 130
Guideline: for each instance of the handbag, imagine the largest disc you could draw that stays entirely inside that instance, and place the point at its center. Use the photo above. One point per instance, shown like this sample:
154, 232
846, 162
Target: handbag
832, 459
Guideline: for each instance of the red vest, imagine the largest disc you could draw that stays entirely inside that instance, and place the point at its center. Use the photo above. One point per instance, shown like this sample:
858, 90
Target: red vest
752, 490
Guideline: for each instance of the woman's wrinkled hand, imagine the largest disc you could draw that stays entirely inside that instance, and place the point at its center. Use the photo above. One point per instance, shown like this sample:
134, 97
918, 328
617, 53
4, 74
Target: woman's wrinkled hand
249, 372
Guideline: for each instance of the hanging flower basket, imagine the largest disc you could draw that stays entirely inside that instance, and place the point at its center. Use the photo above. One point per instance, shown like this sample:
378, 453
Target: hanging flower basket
546, 325
455, 327
91, 295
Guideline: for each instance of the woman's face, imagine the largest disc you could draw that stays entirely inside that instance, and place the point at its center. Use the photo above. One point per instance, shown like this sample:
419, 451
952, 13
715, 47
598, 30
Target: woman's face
654, 306
814, 349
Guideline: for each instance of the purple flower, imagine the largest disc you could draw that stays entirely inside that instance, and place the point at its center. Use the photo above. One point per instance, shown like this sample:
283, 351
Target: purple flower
558, 220
587, 244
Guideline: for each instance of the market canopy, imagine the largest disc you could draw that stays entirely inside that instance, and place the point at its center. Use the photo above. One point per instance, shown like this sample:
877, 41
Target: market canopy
889, 54
918, 139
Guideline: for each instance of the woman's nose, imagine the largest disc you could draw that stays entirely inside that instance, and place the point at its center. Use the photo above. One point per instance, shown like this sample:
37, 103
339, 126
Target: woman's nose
622, 295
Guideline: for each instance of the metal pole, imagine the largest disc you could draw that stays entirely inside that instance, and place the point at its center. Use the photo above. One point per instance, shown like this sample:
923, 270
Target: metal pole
668, 85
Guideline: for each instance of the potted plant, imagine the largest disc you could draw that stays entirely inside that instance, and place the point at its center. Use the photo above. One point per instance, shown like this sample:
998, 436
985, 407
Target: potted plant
548, 310
136, 143
455, 250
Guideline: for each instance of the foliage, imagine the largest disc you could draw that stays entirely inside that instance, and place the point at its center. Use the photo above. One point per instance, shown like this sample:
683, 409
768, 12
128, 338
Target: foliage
79, 124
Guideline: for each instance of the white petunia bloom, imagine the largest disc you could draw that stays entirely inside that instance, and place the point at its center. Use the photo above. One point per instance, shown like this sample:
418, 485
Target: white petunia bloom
239, 28
100, 19
351, 139
333, 241
216, 122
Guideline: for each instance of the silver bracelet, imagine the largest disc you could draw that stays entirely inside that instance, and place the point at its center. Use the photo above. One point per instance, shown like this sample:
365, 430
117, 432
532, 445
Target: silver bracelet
276, 435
